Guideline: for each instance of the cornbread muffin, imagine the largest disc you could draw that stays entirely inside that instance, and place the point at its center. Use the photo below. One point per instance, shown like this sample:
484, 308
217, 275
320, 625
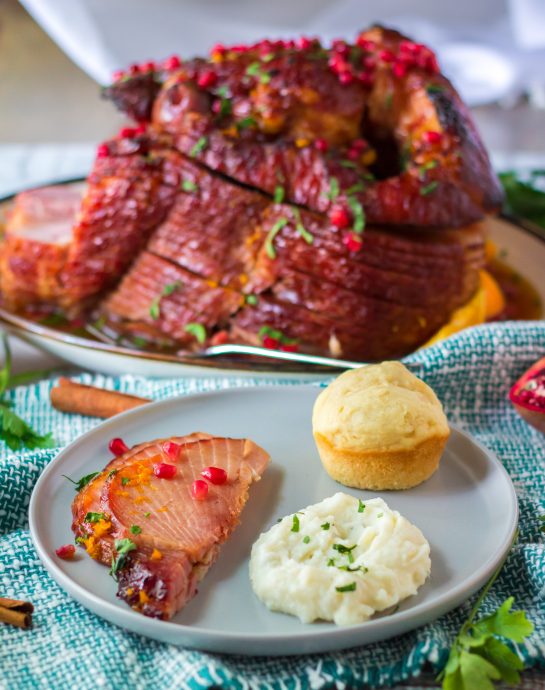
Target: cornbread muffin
379, 427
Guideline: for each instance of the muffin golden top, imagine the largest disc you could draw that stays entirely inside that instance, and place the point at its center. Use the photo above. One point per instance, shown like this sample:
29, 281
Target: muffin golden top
378, 407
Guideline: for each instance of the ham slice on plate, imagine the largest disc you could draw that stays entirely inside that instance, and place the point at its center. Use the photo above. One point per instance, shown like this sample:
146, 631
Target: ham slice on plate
157, 536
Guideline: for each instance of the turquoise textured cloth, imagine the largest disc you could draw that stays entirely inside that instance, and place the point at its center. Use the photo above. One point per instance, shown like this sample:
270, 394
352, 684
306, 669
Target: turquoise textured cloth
70, 647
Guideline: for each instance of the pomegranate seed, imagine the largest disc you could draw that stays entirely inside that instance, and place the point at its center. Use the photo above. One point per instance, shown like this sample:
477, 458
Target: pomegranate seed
365, 44
408, 47
148, 66
369, 62
304, 43
359, 144
199, 489
66, 552
432, 137
338, 64
399, 69
216, 475
103, 151
118, 75
141, 129
219, 338
346, 78
173, 62
216, 106
134, 70
340, 47
270, 343
321, 145
208, 78
339, 217
219, 49
289, 347
353, 154
386, 56
172, 450
352, 242
164, 471
117, 446
367, 79
432, 66
127, 132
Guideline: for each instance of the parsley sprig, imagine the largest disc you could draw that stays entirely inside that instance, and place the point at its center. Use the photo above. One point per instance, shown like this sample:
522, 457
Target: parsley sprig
14, 431
477, 657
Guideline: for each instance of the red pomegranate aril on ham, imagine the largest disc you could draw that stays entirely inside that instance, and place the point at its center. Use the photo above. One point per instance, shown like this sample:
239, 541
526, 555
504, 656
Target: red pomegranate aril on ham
218, 49
134, 70
215, 475
219, 338
173, 62
117, 446
66, 552
206, 79
148, 66
304, 43
321, 145
270, 343
399, 69
103, 151
339, 217
386, 56
118, 75
199, 489
346, 78
432, 137
289, 347
164, 471
352, 242
365, 44
340, 47
172, 450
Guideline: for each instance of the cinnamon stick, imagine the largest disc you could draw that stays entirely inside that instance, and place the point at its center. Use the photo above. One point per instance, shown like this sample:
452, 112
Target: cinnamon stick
69, 396
16, 612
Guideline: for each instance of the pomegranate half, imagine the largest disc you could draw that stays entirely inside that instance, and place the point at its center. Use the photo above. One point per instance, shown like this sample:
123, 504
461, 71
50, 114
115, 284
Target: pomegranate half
528, 395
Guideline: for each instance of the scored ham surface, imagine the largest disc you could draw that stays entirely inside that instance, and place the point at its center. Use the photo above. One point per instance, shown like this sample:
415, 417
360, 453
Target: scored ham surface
158, 539
284, 194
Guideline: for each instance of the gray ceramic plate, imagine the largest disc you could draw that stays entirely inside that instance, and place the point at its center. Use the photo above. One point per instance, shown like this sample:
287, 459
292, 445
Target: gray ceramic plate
467, 510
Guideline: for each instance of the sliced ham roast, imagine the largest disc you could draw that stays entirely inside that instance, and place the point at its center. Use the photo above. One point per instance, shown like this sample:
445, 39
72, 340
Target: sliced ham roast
157, 538
280, 194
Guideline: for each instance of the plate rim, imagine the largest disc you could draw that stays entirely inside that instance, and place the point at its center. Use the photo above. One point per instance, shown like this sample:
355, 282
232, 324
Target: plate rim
124, 617
15, 323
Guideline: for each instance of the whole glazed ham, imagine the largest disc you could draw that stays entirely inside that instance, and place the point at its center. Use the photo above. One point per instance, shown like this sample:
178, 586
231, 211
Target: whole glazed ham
279, 194
157, 523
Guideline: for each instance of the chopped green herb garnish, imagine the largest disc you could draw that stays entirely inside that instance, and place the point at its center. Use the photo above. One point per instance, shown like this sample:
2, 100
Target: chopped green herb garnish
423, 169
525, 196
155, 306
361, 506
225, 107
306, 539
325, 526
80, 540
146, 515
53, 319
138, 341
125, 481
269, 241
268, 57
295, 524
154, 309
253, 69
122, 547
358, 213
251, 300
246, 122
388, 100
99, 323
197, 330
170, 288
83, 481
330, 562
343, 549
333, 189
300, 228
429, 188
95, 517
347, 588
264, 78
201, 144
380, 515
271, 332
434, 88
348, 164
189, 186
111, 473
222, 91
353, 570
355, 188
279, 194
135, 529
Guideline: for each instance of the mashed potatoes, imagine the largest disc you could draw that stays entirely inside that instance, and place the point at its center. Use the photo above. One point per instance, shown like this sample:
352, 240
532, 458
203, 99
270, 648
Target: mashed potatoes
339, 560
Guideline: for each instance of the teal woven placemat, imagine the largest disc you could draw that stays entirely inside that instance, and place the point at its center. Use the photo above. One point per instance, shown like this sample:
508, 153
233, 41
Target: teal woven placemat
69, 647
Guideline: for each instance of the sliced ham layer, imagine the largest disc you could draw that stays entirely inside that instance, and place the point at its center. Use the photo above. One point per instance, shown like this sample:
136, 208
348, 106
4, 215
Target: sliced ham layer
176, 537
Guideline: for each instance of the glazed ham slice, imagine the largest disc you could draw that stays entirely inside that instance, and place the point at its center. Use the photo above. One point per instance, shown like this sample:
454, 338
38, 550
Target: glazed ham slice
157, 537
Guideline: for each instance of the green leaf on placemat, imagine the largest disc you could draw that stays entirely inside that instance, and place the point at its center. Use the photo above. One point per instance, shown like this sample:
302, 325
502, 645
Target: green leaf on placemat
524, 198
477, 657
14, 431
